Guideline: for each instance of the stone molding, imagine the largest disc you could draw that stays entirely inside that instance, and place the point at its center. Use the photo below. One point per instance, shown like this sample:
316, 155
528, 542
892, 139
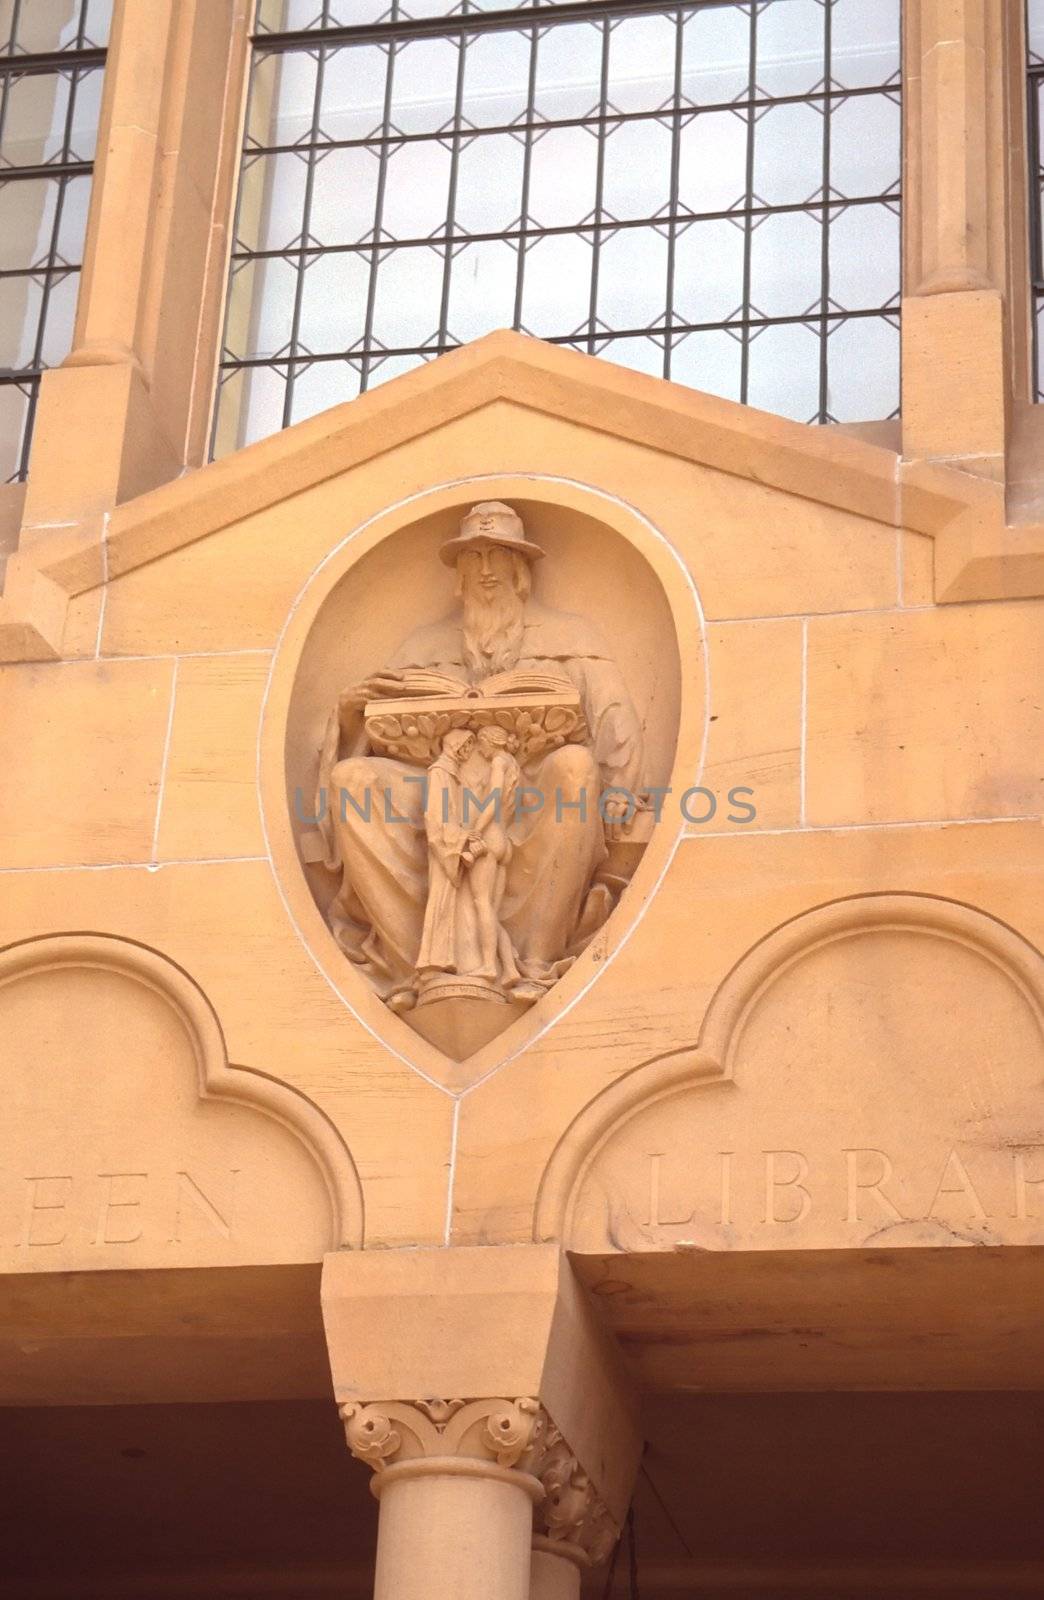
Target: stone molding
493, 1321
711, 1057
218, 1079
804, 460
977, 555
494, 1436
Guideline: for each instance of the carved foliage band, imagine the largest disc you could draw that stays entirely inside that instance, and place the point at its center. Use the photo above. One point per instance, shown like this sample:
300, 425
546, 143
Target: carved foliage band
571, 1512
516, 1434
508, 1433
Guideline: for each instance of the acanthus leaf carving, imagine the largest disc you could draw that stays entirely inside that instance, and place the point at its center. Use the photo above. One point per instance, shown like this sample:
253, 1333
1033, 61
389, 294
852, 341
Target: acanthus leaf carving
572, 1513
440, 1411
371, 1436
513, 1434
505, 1432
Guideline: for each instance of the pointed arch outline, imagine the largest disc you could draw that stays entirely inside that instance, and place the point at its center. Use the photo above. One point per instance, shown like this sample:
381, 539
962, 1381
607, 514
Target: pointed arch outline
216, 1077
711, 1059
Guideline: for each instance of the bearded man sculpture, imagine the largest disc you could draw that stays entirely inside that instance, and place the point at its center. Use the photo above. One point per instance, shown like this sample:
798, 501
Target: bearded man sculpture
556, 888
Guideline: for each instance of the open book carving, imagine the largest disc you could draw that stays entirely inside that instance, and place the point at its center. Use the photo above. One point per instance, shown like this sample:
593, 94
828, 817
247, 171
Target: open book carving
541, 711
422, 682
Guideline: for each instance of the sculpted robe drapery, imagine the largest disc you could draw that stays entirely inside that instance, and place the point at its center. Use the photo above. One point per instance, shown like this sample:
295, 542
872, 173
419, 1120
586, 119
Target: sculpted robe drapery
550, 908
448, 937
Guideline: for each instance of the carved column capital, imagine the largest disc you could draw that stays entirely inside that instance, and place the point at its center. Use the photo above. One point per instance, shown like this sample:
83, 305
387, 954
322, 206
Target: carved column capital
497, 1323
491, 1437
498, 1434
572, 1520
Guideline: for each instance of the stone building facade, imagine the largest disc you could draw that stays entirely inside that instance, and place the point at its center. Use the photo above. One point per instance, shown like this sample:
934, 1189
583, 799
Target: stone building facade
641, 1191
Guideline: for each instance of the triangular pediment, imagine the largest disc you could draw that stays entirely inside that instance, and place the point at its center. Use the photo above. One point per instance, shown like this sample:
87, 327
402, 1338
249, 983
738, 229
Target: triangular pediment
819, 464
828, 466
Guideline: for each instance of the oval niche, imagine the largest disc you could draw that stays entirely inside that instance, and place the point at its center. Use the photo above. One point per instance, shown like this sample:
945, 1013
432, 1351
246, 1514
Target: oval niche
448, 838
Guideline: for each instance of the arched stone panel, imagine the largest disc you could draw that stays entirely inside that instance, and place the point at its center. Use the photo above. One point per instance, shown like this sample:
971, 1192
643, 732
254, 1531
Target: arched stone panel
870, 1073
131, 1142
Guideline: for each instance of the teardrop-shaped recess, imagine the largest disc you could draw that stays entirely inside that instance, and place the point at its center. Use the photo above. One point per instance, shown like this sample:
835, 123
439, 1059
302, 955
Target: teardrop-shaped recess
467, 710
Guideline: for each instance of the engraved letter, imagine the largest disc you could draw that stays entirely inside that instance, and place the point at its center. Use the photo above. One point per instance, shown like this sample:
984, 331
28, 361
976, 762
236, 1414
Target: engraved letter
796, 1181
1023, 1184
110, 1204
189, 1189
955, 1180
655, 1220
870, 1185
35, 1205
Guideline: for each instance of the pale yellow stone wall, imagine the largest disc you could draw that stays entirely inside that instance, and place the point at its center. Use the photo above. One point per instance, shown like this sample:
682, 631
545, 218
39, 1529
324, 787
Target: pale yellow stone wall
864, 633
892, 746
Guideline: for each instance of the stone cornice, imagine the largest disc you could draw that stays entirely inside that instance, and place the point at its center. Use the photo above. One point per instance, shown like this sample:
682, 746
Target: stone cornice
813, 463
977, 555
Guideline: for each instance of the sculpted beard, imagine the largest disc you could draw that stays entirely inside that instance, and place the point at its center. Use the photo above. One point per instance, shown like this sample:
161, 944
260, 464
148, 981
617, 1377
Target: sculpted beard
493, 625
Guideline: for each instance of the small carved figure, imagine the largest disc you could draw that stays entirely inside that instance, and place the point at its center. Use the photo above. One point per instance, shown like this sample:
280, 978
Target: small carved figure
491, 850
449, 942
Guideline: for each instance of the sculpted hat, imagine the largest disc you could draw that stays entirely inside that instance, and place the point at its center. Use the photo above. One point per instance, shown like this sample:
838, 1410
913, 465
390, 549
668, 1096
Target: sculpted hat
490, 523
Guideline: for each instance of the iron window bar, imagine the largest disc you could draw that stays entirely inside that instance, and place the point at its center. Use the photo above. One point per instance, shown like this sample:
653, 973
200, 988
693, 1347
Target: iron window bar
452, 24
1034, 89
76, 61
366, 354
1035, 77
53, 60
607, 119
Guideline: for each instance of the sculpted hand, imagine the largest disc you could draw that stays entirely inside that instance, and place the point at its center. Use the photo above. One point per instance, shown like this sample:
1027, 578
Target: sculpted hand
381, 686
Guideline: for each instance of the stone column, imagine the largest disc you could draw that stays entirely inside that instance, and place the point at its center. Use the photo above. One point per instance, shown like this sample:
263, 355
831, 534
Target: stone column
456, 1487
573, 1527
481, 1498
554, 1575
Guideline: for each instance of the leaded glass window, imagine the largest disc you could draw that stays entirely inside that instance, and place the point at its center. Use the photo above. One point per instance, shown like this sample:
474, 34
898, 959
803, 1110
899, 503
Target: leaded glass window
1035, 44
52, 55
707, 191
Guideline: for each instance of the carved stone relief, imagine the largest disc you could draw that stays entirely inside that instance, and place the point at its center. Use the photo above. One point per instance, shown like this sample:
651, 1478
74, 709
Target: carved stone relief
510, 1433
514, 1434
480, 796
